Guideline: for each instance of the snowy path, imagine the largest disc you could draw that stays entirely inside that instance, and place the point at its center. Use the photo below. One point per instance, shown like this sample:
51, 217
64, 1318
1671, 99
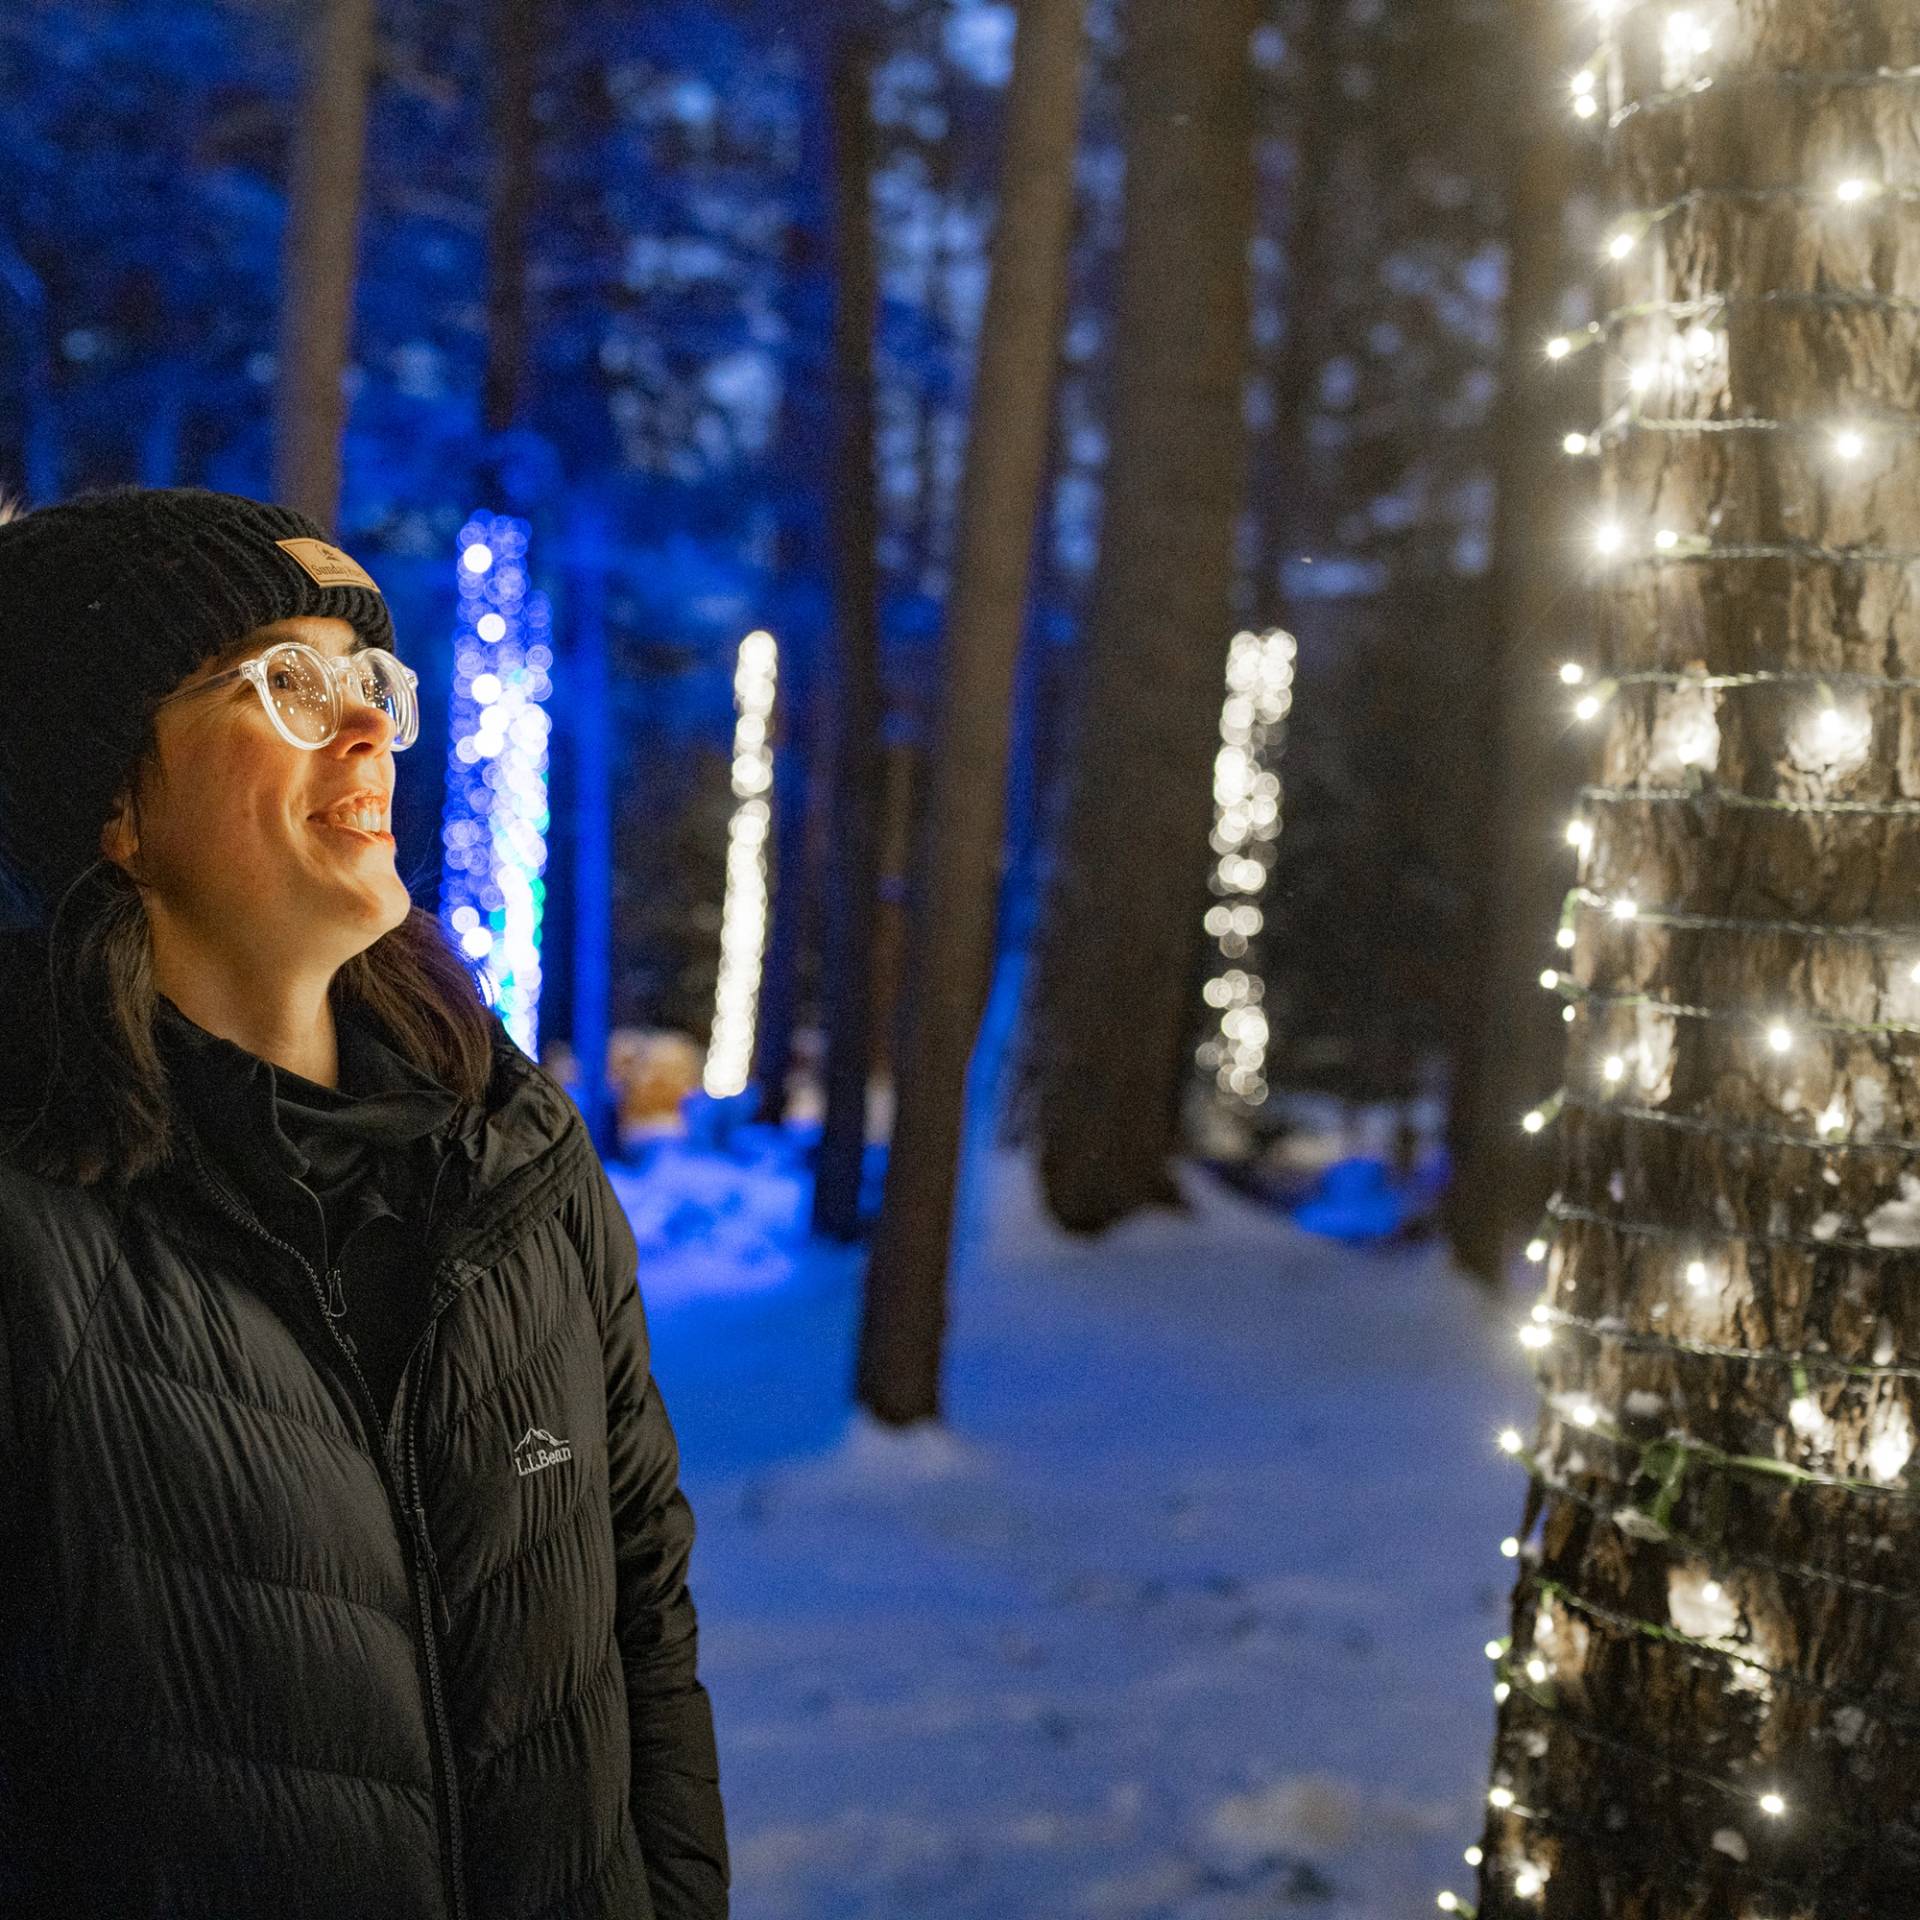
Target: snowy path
1180, 1620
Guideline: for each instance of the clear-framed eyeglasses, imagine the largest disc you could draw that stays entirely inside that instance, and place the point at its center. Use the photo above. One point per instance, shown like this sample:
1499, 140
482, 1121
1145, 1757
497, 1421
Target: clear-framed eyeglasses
305, 692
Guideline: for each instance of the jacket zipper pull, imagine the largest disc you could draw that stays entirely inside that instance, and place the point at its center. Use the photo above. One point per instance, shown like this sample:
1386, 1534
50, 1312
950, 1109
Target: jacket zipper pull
336, 1295
440, 1608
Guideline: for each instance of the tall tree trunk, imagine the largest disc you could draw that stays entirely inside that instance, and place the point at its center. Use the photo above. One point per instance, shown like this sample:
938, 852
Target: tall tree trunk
1129, 894
853, 860
1714, 1704
951, 938
319, 259
1513, 1034
509, 212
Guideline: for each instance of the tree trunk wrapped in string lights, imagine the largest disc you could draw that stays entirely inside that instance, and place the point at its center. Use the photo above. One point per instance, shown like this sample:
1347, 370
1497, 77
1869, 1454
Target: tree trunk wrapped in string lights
1710, 1700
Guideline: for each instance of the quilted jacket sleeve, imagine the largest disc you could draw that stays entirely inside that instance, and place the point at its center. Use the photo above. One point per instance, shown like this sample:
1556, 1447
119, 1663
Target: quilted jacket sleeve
676, 1770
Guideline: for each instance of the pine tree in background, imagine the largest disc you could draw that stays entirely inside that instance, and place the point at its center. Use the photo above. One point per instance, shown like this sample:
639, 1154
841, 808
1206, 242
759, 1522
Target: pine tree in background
1121, 943
956, 882
1510, 1039
1709, 1701
320, 259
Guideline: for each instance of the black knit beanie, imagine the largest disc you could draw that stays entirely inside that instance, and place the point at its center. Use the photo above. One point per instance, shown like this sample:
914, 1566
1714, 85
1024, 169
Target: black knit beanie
110, 600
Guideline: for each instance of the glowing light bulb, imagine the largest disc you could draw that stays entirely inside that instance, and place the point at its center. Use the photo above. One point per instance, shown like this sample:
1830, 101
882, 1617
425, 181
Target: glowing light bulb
1641, 376
1780, 1038
1855, 188
1500, 1797
1537, 1671
1585, 105
1473, 1856
1569, 1014
1533, 1122
1528, 1882
1575, 444
1550, 979
1710, 1591
1564, 938
1609, 537
1585, 1414
1510, 1548
1834, 1119
1559, 347
1697, 1275
1613, 1069
1510, 1440
1666, 539
1773, 1805
1500, 1691
1580, 838
1493, 1649
1536, 1251
477, 558
1540, 1311
1535, 1338
1849, 443
1626, 908
1583, 81
1622, 244
1586, 707
1573, 673
1447, 1902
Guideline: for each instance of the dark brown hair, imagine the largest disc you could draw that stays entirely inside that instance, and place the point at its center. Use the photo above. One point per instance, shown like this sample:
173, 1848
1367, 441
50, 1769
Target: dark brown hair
86, 1096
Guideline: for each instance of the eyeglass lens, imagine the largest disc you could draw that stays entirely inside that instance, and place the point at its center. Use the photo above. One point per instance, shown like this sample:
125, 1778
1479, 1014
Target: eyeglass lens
303, 696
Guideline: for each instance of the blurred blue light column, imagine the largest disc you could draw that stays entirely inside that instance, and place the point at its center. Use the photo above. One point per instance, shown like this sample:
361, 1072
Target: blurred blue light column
492, 889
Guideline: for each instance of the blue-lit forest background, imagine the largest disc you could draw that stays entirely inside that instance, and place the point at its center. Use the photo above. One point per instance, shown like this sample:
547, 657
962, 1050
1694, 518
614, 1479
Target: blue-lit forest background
1096, 1645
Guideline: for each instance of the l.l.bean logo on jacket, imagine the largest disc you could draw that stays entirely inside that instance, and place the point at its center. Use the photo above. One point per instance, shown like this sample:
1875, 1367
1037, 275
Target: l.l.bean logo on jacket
539, 1449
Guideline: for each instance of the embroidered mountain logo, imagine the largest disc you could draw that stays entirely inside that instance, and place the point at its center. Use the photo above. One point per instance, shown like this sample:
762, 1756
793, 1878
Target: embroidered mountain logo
539, 1449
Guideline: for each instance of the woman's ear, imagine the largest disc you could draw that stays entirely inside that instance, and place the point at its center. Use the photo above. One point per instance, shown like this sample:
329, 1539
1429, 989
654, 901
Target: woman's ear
119, 837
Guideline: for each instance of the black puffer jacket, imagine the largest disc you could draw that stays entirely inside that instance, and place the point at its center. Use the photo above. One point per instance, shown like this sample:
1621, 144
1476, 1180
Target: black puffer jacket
256, 1660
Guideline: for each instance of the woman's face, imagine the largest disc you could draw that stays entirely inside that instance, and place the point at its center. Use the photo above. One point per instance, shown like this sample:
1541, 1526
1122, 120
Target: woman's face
230, 832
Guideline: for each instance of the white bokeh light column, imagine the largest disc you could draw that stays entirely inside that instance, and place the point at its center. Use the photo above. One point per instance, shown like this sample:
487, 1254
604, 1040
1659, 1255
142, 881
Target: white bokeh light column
743, 918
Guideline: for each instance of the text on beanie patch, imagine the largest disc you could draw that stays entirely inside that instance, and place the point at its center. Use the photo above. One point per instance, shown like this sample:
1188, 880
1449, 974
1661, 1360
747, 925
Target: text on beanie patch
327, 566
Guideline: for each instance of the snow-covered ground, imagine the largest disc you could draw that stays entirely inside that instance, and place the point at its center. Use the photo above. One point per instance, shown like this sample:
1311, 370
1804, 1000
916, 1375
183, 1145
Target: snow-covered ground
1178, 1618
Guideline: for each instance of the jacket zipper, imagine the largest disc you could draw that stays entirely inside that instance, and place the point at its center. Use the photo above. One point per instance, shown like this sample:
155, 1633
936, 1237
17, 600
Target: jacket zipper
428, 1595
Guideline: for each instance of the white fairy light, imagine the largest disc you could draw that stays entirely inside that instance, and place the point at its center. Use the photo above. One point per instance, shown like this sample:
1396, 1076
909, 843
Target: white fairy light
1564, 937
1509, 1440
1473, 1856
1849, 443
1697, 1275
1528, 1881
1447, 1902
1559, 347
1608, 538
1585, 1413
1537, 1671
1622, 244
1626, 908
1500, 1691
1533, 1122
1642, 375
1587, 706
1854, 189
1780, 1037
1773, 1806
1550, 979
1534, 1338
1572, 673
1494, 1649
1569, 1014
1613, 1069
1665, 540
1833, 1118
1510, 1548
743, 914
1536, 1251
1580, 838
1891, 1446
1500, 1798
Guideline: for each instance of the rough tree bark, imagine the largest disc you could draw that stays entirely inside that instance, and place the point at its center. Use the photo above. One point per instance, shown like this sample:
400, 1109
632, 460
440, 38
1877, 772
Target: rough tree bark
904, 1308
858, 795
319, 262
1717, 1601
1123, 929
1512, 1035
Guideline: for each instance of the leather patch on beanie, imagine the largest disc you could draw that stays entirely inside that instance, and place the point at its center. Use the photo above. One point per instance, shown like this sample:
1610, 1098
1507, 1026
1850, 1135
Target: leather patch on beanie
327, 566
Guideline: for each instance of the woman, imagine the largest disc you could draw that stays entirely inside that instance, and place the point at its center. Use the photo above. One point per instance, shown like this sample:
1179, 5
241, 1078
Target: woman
342, 1552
